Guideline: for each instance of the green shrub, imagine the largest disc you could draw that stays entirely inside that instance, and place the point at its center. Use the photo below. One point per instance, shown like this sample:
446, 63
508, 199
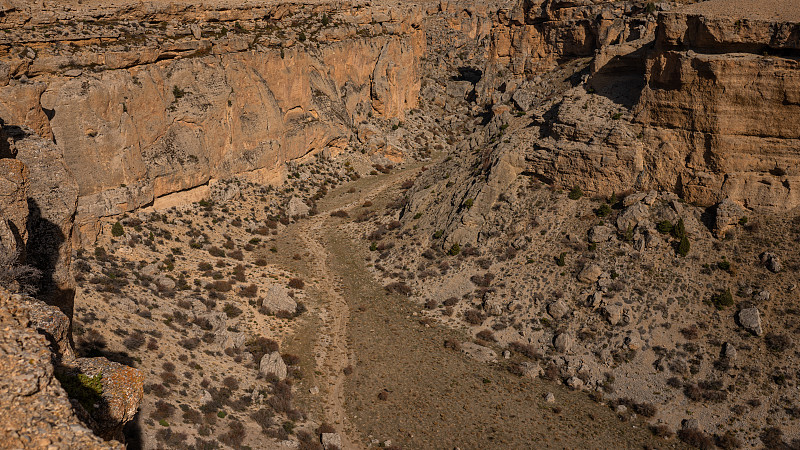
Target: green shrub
665, 226
454, 250
561, 260
117, 230
603, 210
83, 388
438, 234
679, 231
722, 299
468, 203
683, 246
575, 193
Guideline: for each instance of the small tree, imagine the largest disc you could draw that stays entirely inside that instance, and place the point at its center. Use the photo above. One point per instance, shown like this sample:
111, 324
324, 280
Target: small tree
679, 230
683, 246
575, 193
117, 230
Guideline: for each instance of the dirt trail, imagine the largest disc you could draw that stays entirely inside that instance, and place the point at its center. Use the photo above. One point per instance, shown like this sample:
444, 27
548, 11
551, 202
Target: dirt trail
436, 398
331, 350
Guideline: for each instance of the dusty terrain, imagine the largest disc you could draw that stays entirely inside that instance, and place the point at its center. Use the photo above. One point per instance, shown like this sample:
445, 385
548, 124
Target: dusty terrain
330, 225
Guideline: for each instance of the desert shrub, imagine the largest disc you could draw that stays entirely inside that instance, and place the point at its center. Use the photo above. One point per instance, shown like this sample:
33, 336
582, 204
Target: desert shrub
661, 430
486, 335
340, 213
451, 301
192, 416
205, 266
263, 417
261, 262
473, 316
452, 344
230, 383
431, 304
728, 441
237, 255
216, 252
232, 310
260, 346
189, 343
281, 399
696, 438
249, 291
134, 341
575, 193
482, 280
527, 350
777, 343
162, 410
399, 287
235, 435
296, 283
219, 286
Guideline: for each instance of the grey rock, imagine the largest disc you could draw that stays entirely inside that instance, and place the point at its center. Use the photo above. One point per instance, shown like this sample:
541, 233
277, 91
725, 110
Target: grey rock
297, 207
690, 424
331, 441
272, 364
277, 299
563, 342
550, 398
750, 319
771, 262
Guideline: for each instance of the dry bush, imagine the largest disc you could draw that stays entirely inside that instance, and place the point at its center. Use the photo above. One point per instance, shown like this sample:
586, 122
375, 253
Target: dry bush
296, 283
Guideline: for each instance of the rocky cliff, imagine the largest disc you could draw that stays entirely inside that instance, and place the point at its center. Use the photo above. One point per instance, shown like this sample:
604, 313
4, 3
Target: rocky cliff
55, 396
145, 104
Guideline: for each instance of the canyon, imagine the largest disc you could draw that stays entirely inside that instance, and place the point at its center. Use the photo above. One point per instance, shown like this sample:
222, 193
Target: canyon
270, 224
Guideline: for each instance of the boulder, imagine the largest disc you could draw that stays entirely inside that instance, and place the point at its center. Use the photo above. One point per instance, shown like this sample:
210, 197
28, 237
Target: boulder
297, 207
563, 342
277, 299
558, 309
272, 364
771, 262
331, 441
632, 216
590, 274
728, 351
601, 233
750, 320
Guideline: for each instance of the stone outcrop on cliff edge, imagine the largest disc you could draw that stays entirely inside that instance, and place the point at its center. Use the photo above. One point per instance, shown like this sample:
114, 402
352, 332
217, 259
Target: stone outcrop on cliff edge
49, 395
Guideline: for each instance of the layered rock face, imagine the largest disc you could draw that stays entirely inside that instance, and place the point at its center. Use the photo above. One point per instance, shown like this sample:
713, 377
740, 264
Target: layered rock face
693, 100
166, 108
725, 92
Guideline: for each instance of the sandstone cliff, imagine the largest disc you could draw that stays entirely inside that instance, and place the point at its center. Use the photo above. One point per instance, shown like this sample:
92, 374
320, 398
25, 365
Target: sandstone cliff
143, 111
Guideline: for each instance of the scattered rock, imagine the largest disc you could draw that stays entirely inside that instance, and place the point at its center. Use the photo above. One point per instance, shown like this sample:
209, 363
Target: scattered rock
590, 274
550, 398
277, 299
331, 441
690, 424
272, 364
575, 383
601, 233
728, 351
771, 262
750, 320
563, 342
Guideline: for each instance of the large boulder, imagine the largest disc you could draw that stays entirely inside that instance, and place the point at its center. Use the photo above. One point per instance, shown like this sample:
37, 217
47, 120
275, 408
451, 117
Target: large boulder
277, 299
272, 365
750, 320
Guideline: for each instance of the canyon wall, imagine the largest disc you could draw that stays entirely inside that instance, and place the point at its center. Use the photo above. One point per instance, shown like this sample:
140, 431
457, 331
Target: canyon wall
138, 121
693, 99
